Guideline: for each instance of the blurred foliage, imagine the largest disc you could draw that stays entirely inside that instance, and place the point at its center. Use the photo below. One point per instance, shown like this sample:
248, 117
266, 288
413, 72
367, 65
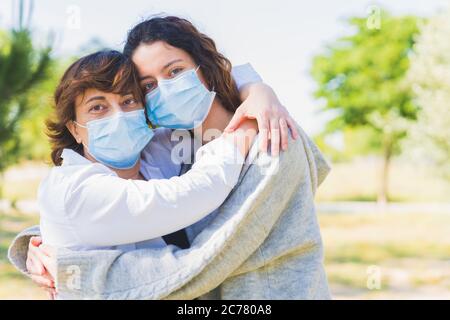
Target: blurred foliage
33, 140
357, 141
23, 67
429, 76
361, 77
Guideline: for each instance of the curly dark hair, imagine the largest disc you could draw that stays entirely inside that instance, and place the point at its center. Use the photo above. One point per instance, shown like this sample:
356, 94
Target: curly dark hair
182, 34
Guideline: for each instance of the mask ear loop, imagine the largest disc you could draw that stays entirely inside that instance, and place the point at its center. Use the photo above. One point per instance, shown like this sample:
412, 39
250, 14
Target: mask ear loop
80, 125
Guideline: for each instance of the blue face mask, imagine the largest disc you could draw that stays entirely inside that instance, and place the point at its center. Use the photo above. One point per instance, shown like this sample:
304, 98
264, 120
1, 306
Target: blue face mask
179, 103
117, 141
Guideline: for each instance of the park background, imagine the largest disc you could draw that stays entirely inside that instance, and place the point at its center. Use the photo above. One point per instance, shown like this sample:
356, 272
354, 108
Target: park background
369, 81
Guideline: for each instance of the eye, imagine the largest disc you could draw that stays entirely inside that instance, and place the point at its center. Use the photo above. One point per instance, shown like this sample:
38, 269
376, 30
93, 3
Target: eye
97, 108
130, 101
150, 86
175, 71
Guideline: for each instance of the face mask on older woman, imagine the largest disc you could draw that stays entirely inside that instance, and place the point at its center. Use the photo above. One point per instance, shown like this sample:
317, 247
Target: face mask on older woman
118, 141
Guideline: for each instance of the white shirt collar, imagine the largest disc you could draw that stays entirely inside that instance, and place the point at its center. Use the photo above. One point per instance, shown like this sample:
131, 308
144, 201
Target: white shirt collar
72, 158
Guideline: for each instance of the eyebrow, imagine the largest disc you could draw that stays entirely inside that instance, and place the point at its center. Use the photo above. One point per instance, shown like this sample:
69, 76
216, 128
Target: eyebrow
163, 68
95, 98
171, 63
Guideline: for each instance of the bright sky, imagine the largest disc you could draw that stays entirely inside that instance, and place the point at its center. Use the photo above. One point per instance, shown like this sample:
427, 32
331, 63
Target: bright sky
279, 37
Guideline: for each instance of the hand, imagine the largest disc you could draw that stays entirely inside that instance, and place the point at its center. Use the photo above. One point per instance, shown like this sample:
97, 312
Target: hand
243, 136
273, 119
41, 264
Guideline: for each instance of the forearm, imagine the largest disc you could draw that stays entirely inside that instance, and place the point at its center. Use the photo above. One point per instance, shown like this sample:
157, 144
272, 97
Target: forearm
258, 88
136, 211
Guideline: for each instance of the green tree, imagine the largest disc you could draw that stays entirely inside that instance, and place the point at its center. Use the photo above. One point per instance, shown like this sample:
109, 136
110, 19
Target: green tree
34, 143
362, 78
22, 67
430, 78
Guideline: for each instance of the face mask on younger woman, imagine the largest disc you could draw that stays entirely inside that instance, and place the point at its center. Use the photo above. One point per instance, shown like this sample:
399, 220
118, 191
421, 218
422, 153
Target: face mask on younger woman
179, 103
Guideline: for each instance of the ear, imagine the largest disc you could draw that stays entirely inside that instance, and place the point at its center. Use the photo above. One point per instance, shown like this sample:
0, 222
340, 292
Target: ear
72, 127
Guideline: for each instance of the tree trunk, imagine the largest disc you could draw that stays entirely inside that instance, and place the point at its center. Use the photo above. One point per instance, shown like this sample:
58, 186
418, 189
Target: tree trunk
1, 185
383, 193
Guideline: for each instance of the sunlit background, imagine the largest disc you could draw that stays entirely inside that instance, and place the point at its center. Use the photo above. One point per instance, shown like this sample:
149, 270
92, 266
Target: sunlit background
369, 81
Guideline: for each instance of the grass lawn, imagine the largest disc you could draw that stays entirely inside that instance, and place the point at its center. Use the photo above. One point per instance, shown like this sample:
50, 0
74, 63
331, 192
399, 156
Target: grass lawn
13, 285
411, 253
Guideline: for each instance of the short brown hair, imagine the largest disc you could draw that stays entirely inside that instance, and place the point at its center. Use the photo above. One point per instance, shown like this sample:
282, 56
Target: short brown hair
182, 34
108, 71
